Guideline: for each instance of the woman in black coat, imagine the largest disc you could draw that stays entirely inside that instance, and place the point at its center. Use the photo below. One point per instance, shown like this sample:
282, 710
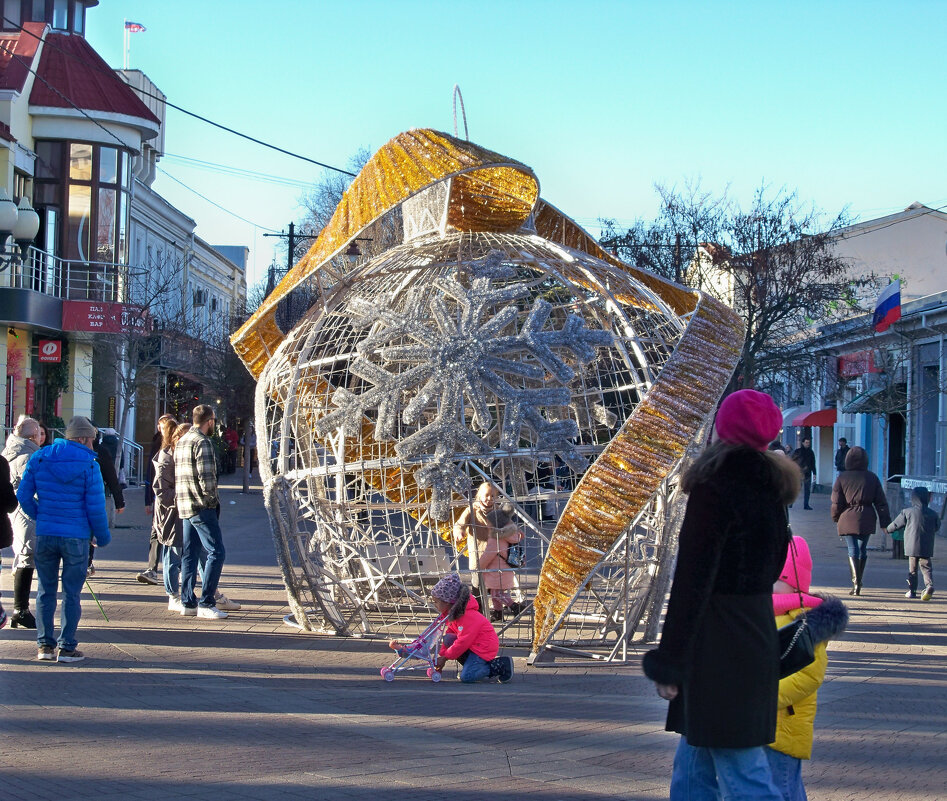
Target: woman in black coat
718, 659
7, 505
858, 506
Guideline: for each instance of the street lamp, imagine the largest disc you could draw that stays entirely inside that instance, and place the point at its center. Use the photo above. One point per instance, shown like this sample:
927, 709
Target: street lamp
352, 252
20, 222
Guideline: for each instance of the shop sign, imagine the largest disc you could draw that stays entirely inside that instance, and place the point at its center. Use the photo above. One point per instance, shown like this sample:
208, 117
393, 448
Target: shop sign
853, 365
931, 485
111, 414
50, 351
104, 318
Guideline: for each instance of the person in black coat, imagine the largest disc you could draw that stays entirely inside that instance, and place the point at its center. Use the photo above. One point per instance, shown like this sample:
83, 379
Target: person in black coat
113, 489
840, 454
804, 456
7, 504
718, 659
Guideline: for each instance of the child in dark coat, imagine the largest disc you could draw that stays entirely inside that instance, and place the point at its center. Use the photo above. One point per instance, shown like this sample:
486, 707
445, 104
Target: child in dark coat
920, 524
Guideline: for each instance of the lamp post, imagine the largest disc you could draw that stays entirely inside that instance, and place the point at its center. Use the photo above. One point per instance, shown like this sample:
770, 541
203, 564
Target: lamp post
20, 222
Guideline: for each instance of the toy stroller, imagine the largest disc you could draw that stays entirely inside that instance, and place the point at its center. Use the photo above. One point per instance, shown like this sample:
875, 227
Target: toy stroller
424, 649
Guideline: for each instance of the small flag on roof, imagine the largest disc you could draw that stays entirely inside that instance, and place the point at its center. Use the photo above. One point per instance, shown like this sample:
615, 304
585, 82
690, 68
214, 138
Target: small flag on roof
134, 27
888, 308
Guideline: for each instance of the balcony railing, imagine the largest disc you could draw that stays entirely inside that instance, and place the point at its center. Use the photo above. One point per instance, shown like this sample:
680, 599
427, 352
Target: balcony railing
65, 279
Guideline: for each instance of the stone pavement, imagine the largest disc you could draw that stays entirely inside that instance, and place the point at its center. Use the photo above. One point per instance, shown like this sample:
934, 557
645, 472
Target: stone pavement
248, 708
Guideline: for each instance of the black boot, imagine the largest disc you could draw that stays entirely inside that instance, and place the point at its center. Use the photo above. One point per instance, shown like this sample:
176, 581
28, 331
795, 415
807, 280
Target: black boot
22, 618
860, 573
856, 583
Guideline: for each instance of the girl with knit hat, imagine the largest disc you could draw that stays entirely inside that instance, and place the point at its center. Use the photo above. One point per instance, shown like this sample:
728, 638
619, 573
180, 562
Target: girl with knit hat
718, 659
827, 618
470, 638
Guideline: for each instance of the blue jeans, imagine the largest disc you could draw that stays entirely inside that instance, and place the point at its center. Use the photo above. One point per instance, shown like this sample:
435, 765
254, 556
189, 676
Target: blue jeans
730, 774
73, 554
172, 568
857, 546
806, 491
476, 668
202, 530
787, 774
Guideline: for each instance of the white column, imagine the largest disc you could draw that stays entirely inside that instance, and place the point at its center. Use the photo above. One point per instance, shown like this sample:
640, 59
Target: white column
77, 399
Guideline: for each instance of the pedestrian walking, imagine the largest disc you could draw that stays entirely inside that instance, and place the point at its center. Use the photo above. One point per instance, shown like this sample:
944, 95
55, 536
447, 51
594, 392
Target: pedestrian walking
195, 492
826, 619
920, 524
22, 443
718, 659
114, 496
805, 458
150, 574
840, 454
62, 490
858, 505
7, 505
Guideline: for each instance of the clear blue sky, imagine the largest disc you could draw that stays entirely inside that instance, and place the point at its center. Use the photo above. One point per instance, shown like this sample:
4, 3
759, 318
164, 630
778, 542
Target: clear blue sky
842, 101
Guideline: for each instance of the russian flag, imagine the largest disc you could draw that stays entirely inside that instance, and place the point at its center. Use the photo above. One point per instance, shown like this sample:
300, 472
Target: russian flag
888, 308
134, 27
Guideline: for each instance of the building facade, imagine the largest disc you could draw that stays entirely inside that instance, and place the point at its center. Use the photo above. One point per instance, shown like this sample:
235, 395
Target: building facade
79, 144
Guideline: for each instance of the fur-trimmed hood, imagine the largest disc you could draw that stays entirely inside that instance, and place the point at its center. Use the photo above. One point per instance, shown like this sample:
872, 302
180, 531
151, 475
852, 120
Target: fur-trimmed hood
828, 620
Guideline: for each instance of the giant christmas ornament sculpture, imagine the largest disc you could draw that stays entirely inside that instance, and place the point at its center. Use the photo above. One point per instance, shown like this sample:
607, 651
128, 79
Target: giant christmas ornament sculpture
493, 340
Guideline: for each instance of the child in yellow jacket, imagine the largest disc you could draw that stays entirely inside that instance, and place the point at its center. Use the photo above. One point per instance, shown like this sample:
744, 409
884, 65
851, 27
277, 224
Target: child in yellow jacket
797, 693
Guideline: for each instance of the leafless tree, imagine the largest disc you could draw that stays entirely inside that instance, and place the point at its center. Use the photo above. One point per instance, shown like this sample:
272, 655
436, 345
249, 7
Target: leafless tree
773, 262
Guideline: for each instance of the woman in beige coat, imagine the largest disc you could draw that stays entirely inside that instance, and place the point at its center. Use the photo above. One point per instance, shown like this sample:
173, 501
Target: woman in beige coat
489, 534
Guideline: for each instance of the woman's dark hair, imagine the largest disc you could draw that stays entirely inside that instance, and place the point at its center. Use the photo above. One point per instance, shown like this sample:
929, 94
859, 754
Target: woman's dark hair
782, 471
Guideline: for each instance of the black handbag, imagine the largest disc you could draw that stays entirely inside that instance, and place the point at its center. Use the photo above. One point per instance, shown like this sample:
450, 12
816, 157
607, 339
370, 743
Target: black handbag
796, 646
516, 555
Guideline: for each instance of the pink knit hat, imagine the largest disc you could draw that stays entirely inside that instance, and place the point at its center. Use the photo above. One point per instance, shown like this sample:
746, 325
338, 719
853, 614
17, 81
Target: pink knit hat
803, 566
748, 417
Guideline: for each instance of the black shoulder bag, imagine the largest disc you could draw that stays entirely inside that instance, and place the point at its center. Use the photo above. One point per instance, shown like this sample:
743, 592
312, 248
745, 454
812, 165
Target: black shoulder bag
796, 647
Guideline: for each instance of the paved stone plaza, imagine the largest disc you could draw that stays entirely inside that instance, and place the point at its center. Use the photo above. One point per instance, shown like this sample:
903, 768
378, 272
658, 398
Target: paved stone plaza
248, 708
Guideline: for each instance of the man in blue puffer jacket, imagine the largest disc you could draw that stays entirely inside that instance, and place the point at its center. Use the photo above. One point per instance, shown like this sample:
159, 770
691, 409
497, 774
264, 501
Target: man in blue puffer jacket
62, 491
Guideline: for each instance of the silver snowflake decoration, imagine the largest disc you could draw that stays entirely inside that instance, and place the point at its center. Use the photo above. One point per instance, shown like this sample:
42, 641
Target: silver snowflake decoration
448, 358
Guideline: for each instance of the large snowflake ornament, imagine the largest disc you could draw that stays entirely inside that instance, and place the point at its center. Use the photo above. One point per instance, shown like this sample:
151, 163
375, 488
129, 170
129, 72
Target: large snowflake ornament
456, 357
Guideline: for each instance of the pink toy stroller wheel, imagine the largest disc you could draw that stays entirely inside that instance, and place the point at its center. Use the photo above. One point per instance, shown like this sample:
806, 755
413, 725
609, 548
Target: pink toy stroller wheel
387, 674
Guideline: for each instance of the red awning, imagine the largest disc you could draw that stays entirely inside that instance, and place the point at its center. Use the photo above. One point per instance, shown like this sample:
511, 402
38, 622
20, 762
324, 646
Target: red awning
823, 417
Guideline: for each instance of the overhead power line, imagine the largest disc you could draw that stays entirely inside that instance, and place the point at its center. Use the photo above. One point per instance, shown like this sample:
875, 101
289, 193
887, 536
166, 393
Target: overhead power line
98, 124
195, 115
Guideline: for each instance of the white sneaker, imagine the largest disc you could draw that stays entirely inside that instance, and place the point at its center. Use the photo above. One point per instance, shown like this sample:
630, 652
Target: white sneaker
188, 611
210, 611
174, 604
221, 601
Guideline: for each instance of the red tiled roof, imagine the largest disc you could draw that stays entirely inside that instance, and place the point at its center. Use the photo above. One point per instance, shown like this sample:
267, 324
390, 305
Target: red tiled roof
6, 133
13, 71
71, 65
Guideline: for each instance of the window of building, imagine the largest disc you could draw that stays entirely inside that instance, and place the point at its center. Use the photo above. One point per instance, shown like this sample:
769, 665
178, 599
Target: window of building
60, 20
39, 11
78, 21
11, 14
87, 185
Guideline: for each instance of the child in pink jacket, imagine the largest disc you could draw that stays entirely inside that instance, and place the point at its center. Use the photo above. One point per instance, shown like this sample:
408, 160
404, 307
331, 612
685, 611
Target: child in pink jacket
470, 637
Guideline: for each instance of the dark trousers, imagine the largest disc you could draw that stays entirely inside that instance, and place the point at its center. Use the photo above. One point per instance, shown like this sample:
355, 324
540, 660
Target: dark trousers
806, 490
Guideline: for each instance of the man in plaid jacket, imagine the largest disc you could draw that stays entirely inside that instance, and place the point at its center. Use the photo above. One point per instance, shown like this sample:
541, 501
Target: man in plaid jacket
195, 494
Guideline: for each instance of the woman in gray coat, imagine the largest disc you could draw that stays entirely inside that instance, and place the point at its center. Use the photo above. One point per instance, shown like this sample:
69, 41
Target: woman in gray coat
858, 505
920, 524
